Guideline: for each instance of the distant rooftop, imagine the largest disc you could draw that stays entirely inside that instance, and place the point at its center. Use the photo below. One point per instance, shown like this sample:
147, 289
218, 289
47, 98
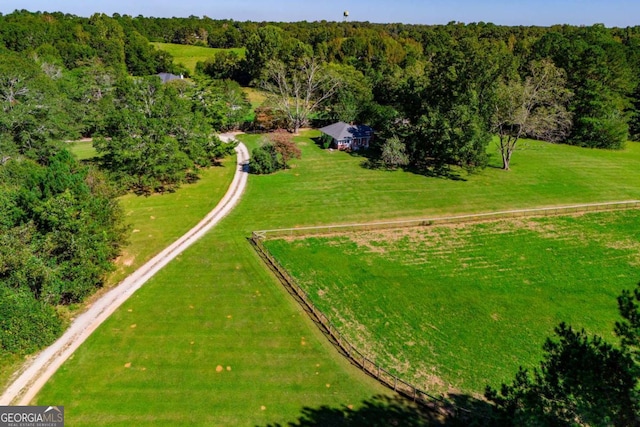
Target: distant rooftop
167, 77
341, 131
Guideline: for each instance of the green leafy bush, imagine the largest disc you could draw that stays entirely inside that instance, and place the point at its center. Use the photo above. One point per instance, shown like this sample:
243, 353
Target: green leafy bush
26, 324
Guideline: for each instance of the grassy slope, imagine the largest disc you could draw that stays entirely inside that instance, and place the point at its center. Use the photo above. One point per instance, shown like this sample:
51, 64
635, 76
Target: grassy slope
189, 55
83, 150
262, 342
257, 98
173, 215
240, 318
462, 307
331, 187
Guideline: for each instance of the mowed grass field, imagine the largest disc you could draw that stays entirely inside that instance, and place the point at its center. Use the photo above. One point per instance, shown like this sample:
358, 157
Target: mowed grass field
279, 360
189, 56
155, 222
456, 308
331, 187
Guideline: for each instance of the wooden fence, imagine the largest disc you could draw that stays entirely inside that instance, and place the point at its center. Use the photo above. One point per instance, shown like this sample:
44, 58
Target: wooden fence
425, 222
357, 357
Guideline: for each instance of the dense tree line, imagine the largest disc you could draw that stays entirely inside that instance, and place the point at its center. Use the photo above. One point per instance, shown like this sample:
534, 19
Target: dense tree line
436, 88
61, 227
60, 224
73, 42
433, 87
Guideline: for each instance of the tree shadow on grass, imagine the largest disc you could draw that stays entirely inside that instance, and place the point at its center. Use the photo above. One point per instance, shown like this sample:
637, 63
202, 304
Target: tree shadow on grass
370, 160
380, 411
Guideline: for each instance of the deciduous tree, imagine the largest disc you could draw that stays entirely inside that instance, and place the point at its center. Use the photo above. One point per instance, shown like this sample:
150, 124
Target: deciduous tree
394, 153
298, 92
159, 138
534, 107
284, 146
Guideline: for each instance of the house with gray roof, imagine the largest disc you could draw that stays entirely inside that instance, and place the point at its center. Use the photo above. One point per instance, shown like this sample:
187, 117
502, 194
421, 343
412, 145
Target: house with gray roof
349, 137
168, 77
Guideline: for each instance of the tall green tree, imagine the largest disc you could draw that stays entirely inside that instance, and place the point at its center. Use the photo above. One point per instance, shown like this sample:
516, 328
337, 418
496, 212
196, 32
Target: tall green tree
394, 153
449, 107
108, 40
223, 65
271, 43
601, 79
32, 110
351, 96
159, 139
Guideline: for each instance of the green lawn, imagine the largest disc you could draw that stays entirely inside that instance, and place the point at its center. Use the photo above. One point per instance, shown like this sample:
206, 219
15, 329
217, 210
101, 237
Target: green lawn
331, 187
83, 150
271, 364
158, 220
456, 308
155, 222
189, 55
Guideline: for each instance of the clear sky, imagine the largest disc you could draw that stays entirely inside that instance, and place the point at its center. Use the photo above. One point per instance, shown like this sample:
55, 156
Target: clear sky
619, 13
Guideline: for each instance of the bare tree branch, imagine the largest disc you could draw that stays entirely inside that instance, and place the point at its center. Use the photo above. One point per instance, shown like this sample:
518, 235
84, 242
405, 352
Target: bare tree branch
298, 92
535, 107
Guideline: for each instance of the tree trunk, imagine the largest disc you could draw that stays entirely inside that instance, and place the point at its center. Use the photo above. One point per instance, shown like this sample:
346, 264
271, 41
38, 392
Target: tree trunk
506, 159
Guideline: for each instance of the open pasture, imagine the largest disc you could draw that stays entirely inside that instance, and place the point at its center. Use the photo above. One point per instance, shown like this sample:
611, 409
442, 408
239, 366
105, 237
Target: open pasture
459, 307
189, 56
171, 381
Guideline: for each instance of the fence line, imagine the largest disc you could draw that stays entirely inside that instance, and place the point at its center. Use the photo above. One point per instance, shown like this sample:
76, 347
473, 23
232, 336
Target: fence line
358, 358
519, 213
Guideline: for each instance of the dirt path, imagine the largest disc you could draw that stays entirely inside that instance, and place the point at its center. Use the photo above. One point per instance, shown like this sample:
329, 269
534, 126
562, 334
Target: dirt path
38, 370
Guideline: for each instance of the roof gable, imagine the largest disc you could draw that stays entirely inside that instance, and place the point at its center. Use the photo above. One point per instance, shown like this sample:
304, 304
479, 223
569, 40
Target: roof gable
341, 131
167, 77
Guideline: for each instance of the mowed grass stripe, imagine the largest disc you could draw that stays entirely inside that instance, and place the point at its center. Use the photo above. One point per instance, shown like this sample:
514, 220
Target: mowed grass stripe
214, 307
321, 188
455, 308
155, 222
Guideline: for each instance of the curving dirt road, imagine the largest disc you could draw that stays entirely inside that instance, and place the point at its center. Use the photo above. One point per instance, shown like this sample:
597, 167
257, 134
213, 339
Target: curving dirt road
36, 372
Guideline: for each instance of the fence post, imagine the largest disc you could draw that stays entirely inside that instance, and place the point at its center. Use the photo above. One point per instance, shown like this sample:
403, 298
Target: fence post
344, 343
